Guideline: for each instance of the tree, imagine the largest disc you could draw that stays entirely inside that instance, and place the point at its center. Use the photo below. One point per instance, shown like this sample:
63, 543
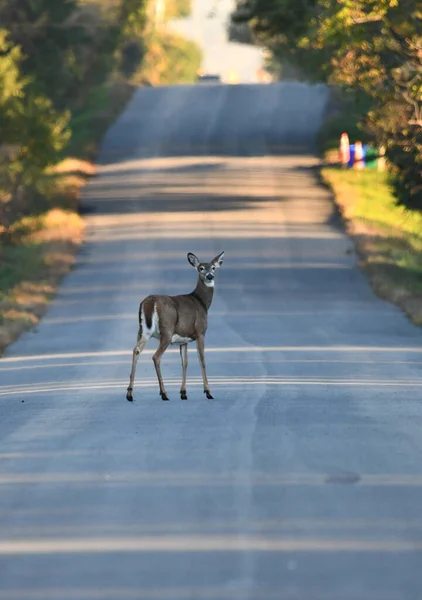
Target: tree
52, 44
369, 47
178, 9
31, 130
170, 59
132, 16
56, 54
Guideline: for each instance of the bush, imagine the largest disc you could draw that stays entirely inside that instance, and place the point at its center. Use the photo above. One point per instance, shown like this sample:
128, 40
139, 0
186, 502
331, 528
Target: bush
170, 59
406, 159
29, 125
371, 48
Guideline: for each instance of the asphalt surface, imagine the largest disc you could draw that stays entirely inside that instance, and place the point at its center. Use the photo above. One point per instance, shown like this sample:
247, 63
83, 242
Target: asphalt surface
303, 479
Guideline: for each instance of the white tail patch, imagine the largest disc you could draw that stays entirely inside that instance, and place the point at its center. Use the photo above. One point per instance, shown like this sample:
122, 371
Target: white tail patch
177, 339
155, 327
154, 330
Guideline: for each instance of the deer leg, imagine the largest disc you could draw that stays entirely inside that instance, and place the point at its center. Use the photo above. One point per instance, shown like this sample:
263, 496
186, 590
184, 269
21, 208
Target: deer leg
184, 357
200, 343
136, 352
162, 347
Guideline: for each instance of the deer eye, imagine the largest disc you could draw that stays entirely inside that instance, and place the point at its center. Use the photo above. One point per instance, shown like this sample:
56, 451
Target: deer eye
201, 269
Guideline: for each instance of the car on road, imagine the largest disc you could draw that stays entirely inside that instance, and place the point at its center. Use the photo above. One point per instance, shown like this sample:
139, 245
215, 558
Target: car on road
209, 79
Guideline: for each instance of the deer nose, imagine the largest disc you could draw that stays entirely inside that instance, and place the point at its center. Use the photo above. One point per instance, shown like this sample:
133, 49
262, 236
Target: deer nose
209, 276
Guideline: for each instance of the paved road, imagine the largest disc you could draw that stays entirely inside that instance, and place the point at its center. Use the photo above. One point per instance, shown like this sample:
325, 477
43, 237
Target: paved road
303, 480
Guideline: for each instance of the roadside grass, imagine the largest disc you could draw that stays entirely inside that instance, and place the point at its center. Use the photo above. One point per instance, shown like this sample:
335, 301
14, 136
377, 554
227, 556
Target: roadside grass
31, 266
40, 247
388, 238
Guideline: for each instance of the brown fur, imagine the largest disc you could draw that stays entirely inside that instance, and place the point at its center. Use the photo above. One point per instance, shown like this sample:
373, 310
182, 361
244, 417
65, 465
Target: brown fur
148, 306
185, 316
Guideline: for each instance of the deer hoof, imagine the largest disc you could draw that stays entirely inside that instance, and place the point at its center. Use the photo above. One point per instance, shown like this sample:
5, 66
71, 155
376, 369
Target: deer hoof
183, 395
208, 395
129, 396
164, 397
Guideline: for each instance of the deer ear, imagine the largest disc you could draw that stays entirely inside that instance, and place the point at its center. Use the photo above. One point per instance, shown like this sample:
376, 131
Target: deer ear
194, 261
218, 260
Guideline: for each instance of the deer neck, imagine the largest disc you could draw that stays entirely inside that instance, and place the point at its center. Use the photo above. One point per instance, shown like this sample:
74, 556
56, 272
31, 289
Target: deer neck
204, 293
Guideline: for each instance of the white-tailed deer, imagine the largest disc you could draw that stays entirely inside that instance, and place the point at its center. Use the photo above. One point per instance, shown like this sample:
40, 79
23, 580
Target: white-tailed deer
177, 320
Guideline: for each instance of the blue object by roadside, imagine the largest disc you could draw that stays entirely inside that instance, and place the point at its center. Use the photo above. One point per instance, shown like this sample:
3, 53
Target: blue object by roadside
352, 154
369, 156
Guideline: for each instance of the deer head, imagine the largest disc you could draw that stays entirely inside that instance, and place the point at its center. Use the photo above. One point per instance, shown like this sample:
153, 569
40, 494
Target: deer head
206, 271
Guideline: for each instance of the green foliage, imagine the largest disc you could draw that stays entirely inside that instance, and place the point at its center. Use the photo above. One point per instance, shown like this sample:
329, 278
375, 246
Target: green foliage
178, 9
53, 54
22, 261
369, 47
170, 59
406, 156
70, 46
52, 43
42, 134
281, 67
387, 235
349, 121
131, 56
132, 18
29, 125
240, 33
90, 121
374, 204
57, 61
11, 81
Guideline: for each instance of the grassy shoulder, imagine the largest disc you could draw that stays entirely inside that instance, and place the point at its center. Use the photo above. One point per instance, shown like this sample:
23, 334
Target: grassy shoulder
31, 268
387, 237
40, 247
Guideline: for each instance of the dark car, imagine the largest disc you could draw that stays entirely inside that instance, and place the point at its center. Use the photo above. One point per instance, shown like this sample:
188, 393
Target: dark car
209, 79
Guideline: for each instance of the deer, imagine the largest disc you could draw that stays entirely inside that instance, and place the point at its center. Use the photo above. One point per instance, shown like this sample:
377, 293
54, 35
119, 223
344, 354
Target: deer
177, 320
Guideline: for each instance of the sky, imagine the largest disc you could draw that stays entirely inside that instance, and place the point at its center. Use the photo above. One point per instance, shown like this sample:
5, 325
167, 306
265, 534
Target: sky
220, 56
